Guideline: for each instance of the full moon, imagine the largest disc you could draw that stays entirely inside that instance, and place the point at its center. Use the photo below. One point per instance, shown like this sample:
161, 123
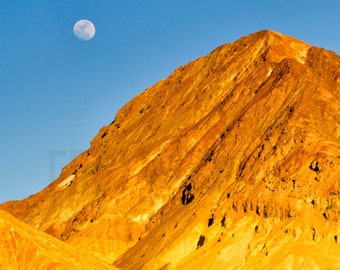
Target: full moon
84, 29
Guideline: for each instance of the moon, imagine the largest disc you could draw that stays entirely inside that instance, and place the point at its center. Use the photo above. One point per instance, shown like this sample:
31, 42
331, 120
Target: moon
84, 29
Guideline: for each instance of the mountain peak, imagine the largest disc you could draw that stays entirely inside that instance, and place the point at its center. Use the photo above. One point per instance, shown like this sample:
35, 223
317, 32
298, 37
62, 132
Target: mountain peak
231, 160
276, 46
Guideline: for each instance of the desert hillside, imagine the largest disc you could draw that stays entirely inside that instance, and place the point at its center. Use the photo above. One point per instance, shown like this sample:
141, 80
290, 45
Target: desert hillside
232, 162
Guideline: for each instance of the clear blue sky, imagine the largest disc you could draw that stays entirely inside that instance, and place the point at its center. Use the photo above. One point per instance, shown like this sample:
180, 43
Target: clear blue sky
57, 91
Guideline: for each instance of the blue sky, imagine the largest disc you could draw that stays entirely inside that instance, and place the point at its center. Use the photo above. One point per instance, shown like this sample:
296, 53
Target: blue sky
57, 91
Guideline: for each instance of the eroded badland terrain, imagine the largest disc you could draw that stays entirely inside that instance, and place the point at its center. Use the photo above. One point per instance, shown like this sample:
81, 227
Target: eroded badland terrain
232, 162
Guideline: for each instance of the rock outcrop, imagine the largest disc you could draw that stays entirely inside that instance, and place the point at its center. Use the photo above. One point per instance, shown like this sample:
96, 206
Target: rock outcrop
232, 162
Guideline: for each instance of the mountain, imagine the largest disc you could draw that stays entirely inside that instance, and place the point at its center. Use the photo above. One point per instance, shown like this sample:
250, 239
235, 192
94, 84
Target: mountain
232, 162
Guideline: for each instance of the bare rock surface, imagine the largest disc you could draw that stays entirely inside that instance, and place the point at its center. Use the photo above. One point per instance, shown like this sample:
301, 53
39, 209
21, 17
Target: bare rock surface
232, 162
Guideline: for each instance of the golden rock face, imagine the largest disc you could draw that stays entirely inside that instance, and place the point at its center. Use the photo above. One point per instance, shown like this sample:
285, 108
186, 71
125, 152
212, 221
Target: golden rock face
232, 162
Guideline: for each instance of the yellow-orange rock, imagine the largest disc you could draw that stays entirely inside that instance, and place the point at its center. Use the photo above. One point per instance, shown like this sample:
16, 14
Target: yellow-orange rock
232, 162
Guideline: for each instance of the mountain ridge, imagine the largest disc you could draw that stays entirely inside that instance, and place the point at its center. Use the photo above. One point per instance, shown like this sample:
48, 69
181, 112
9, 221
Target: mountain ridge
245, 139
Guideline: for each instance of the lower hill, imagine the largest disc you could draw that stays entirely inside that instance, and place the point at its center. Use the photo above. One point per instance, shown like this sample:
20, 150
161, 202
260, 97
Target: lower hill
22, 247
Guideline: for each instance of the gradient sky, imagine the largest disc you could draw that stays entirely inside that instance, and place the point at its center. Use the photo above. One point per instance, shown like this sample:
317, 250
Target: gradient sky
57, 91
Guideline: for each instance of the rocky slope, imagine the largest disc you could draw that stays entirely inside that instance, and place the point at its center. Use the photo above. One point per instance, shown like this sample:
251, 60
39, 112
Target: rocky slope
232, 162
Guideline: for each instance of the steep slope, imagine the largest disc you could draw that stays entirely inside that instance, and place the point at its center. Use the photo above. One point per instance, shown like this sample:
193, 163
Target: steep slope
25, 248
232, 161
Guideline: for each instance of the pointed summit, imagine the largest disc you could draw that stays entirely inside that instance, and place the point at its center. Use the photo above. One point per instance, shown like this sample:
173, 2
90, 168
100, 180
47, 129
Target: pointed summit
231, 160
272, 46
